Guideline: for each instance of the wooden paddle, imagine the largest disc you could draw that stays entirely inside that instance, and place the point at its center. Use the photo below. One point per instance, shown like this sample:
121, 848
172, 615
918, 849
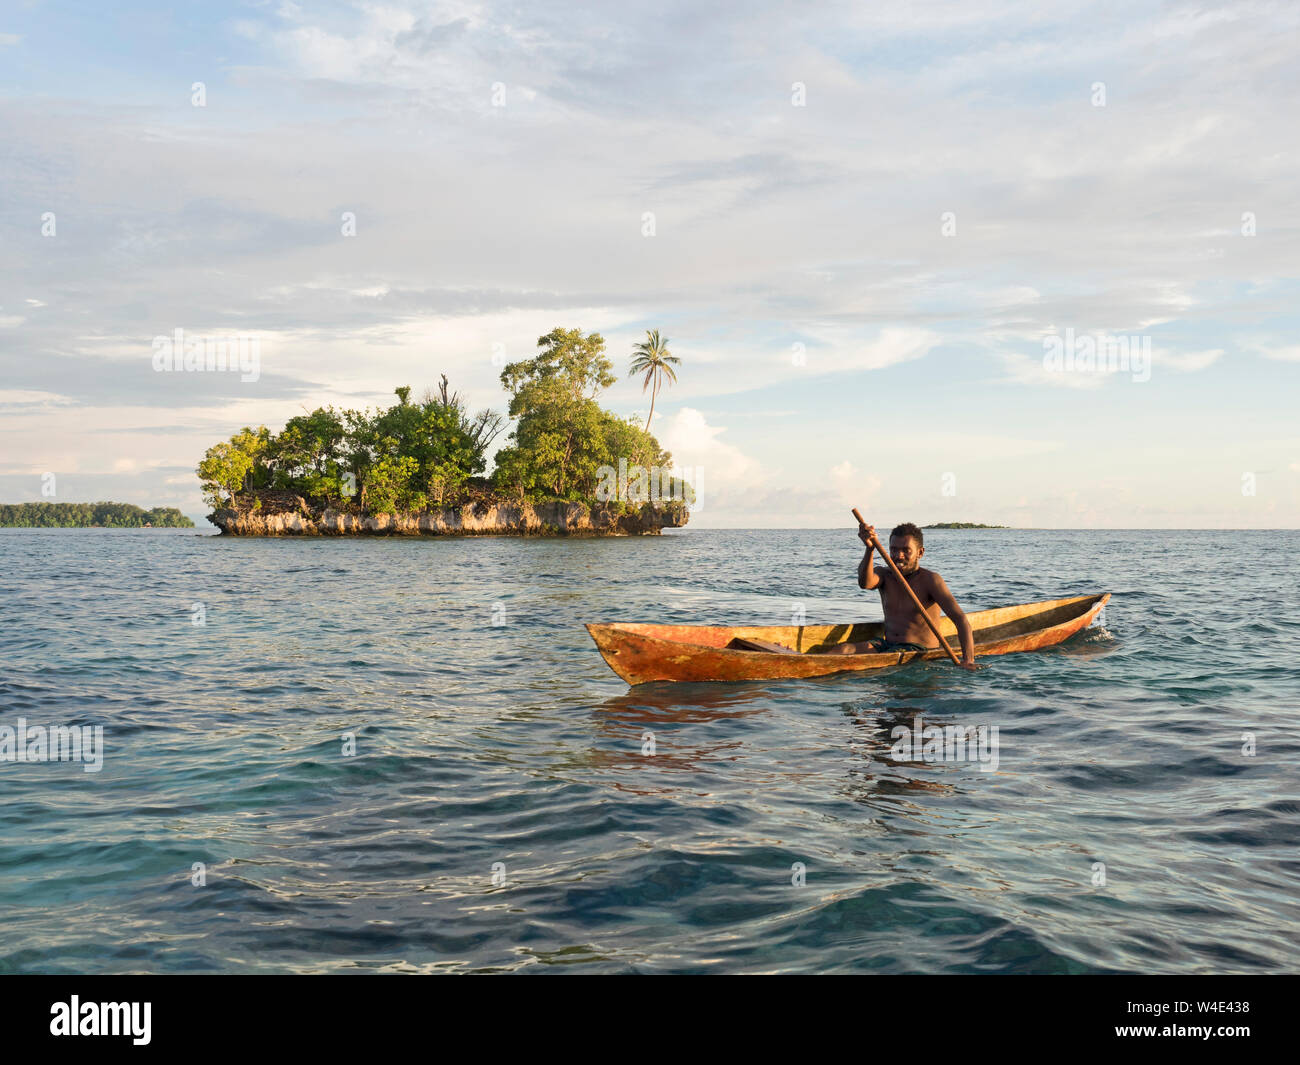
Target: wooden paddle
875, 542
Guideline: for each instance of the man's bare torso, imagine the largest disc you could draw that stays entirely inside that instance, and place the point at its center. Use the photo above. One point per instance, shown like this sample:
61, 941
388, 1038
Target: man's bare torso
902, 622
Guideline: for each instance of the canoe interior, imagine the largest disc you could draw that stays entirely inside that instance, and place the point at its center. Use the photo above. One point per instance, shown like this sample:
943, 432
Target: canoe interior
989, 626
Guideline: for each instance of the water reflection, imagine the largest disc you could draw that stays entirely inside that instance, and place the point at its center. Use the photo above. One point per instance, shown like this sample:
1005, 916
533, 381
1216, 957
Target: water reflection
685, 703
629, 737
875, 741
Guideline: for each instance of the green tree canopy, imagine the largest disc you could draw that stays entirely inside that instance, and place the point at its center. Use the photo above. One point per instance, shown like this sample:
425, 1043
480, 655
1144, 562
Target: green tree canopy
569, 366
401, 458
85, 515
234, 466
416, 454
562, 436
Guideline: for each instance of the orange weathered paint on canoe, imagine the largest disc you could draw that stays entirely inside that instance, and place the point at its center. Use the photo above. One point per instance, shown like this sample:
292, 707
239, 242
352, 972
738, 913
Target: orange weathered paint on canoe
640, 653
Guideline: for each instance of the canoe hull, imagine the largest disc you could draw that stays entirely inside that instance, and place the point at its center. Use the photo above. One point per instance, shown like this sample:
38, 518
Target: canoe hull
641, 653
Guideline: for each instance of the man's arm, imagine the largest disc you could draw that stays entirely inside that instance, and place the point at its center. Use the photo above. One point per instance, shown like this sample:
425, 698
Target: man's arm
867, 576
954, 613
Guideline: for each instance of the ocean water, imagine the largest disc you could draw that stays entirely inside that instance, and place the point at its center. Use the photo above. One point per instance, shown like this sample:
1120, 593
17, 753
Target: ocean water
498, 814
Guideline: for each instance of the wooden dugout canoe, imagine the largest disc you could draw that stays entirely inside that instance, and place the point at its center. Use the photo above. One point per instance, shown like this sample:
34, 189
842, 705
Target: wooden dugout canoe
640, 653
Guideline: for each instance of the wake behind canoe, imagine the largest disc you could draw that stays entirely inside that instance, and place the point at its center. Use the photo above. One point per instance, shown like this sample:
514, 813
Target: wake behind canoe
640, 653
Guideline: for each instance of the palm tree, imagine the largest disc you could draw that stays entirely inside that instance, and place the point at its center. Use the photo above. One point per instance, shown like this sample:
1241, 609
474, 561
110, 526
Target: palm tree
653, 359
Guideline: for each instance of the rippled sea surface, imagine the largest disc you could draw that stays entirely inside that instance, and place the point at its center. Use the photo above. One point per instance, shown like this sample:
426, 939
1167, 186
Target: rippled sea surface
488, 730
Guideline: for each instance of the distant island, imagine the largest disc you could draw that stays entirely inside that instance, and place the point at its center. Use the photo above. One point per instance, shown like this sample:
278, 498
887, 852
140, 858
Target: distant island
89, 516
569, 467
963, 525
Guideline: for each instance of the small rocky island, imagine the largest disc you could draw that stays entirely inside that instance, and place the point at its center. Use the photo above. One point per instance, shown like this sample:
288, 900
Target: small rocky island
963, 525
285, 514
568, 468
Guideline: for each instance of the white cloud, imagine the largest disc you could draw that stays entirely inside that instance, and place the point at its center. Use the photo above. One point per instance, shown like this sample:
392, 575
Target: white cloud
893, 345
1186, 361
851, 487
696, 444
1027, 370
29, 400
1284, 354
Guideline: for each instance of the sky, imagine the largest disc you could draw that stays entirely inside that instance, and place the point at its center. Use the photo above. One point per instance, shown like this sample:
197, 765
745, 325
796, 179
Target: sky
861, 226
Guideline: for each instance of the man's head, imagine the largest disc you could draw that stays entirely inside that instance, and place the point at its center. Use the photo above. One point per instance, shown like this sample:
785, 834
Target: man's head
906, 546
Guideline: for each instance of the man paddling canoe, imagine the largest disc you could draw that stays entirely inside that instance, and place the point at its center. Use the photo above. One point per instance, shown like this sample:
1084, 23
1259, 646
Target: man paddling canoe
905, 628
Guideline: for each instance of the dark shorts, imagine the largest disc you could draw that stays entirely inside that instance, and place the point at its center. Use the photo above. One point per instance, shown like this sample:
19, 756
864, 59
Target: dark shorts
885, 645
